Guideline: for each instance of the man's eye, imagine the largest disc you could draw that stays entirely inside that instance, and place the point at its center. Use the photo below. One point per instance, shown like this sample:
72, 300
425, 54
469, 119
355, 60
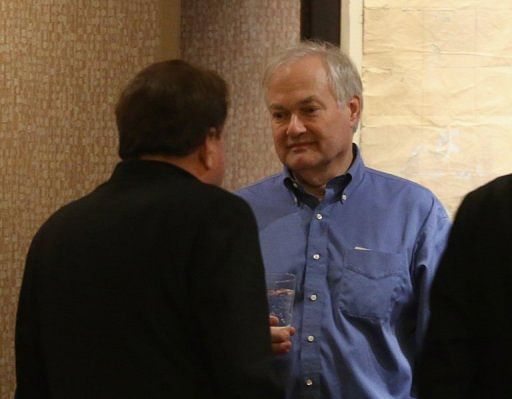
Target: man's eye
278, 116
310, 110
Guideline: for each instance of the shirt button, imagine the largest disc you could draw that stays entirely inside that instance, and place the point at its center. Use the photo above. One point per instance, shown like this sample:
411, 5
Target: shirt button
313, 297
319, 216
316, 256
309, 382
344, 197
310, 338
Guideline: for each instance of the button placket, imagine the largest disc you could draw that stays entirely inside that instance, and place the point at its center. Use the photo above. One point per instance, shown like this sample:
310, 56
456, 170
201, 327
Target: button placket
316, 270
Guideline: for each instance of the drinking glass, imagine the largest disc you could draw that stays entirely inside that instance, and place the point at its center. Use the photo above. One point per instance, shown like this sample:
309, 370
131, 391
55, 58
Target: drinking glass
280, 296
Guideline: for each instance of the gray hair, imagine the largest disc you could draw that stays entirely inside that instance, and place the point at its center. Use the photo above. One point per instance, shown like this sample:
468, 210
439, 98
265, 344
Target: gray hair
342, 74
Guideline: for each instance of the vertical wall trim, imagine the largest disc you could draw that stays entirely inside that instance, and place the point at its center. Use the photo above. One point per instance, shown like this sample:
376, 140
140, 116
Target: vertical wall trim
352, 30
352, 36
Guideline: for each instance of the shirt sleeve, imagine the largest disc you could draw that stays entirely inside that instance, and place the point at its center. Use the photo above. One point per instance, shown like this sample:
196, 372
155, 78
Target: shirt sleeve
229, 287
429, 248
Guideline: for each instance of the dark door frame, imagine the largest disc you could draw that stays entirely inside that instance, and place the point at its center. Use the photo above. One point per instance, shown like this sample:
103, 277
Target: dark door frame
320, 20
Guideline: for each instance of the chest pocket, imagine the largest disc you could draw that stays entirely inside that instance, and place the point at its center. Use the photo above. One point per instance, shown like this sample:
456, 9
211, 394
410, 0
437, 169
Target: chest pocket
370, 283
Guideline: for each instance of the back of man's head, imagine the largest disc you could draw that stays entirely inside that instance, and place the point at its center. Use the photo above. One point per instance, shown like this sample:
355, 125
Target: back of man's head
169, 108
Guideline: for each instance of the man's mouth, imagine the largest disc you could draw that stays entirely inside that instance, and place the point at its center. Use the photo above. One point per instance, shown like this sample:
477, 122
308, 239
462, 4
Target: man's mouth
299, 146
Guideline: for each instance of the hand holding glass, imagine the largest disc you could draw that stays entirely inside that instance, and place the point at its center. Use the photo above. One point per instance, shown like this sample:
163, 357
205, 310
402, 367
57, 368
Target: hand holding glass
280, 296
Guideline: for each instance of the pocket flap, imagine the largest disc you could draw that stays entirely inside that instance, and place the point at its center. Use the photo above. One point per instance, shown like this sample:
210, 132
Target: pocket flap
375, 264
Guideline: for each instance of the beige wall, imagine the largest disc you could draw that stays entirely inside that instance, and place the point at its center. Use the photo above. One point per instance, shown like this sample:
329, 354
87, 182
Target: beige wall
169, 19
236, 38
437, 77
62, 64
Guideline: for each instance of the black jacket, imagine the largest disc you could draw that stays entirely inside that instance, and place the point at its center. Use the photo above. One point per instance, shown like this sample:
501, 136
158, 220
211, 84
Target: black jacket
468, 348
149, 287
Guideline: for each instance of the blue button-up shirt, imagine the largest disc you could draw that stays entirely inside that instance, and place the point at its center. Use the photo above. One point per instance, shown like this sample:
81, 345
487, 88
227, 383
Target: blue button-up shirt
364, 258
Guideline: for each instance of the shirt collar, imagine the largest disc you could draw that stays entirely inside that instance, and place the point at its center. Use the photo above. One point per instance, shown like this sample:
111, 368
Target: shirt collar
340, 187
356, 172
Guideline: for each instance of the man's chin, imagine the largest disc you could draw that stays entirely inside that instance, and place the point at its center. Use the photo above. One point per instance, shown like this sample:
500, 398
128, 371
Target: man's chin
297, 165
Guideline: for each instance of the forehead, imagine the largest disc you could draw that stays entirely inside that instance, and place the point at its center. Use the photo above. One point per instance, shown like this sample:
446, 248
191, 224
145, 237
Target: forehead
297, 80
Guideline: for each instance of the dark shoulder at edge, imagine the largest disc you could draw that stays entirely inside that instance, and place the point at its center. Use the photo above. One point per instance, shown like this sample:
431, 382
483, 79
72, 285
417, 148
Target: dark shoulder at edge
497, 189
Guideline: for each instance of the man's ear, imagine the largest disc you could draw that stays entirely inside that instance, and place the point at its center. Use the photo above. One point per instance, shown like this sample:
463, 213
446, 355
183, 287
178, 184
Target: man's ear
206, 150
204, 154
354, 105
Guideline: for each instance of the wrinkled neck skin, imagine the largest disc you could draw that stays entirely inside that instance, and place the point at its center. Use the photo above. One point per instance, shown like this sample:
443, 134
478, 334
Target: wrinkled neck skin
314, 182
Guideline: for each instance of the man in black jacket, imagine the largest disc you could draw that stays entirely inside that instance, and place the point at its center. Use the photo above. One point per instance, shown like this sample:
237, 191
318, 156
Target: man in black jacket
468, 348
152, 285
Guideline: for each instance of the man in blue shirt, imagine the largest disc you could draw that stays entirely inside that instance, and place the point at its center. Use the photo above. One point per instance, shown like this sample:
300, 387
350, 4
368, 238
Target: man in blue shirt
364, 245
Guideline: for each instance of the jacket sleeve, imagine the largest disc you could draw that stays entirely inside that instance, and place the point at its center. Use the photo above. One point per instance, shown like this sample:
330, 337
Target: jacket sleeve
228, 284
30, 375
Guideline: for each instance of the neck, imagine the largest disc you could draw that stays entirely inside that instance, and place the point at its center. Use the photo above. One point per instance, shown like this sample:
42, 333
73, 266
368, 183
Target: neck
315, 181
313, 186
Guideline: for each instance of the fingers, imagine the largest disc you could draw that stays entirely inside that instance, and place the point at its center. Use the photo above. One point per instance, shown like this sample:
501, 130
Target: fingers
281, 339
281, 349
273, 320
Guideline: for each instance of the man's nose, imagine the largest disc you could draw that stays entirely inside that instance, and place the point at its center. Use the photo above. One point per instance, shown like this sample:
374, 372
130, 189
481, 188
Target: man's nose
295, 127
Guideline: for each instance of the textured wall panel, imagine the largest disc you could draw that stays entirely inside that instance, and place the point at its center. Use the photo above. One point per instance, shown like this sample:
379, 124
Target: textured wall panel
62, 64
438, 78
236, 38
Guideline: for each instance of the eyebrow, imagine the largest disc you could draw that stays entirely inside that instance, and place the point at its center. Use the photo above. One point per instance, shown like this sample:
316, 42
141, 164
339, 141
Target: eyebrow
309, 100
276, 107
306, 101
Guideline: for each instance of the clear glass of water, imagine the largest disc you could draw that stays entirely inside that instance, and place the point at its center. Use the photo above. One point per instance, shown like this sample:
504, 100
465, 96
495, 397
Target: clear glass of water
280, 296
